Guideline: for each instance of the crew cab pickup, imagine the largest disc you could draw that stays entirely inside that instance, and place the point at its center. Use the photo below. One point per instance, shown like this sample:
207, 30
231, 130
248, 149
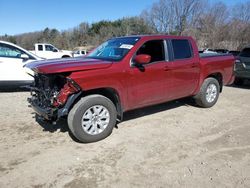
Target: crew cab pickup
48, 51
123, 74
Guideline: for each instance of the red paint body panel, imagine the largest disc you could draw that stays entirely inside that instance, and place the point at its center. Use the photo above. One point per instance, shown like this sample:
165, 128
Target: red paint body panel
67, 65
159, 82
218, 64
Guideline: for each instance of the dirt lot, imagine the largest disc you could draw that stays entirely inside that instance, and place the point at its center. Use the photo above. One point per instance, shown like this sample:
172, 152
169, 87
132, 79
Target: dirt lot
170, 145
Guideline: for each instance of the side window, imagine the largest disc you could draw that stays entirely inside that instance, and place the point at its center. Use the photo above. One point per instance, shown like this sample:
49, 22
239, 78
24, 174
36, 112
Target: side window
181, 49
49, 48
9, 51
40, 47
154, 48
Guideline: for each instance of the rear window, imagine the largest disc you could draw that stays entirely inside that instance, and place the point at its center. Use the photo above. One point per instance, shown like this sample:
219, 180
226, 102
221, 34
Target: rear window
245, 52
181, 49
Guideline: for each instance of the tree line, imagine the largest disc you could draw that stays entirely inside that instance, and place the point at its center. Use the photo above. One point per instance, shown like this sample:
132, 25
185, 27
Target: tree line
213, 25
84, 34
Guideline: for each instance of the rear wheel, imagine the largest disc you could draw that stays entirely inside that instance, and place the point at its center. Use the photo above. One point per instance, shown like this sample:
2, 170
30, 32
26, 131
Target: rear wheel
92, 118
209, 93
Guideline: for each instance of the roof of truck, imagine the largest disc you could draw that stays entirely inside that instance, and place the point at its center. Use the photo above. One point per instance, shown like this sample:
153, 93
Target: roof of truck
154, 35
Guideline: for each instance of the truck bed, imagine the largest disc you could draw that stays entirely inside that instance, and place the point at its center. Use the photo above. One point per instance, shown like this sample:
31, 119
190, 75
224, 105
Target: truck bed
205, 55
219, 63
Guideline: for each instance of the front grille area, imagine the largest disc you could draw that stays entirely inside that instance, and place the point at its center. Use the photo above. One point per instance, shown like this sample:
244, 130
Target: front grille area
46, 89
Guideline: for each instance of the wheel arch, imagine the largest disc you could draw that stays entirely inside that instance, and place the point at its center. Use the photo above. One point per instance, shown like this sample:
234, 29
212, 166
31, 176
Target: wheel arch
110, 93
218, 76
65, 56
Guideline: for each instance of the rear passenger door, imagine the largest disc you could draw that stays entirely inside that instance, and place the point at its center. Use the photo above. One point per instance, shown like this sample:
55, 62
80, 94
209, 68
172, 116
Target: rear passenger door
185, 68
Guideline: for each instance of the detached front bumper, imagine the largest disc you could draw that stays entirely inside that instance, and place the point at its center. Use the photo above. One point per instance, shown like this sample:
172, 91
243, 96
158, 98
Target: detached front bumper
53, 114
46, 113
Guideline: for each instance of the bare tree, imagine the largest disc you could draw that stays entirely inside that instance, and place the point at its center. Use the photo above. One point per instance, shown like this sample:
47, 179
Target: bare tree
160, 16
186, 12
173, 16
241, 12
213, 25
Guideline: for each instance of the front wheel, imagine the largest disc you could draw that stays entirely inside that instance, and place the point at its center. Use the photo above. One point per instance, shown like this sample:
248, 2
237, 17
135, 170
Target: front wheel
92, 118
209, 93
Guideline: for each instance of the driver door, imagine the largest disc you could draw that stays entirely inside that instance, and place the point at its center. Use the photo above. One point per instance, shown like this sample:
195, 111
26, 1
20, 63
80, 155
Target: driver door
148, 84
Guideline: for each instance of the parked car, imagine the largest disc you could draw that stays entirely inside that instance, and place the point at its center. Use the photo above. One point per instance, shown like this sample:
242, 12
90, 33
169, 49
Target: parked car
123, 74
234, 52
79, 53
48, 51
208, 50
222, 51
242, 67
12, 60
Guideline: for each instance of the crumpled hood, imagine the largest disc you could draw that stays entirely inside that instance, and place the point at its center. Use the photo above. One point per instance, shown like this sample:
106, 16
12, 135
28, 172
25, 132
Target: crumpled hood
67, 65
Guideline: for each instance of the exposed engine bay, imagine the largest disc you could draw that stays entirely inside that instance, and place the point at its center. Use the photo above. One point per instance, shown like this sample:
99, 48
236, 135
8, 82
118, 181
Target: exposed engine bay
46, 89
50, 93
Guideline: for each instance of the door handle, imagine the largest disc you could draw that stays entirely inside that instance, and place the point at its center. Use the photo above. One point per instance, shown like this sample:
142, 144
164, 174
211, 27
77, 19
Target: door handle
167, 68
194, 65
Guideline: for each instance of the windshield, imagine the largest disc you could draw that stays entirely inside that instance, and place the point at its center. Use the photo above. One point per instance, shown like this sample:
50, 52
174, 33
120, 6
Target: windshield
114, 49
245, 52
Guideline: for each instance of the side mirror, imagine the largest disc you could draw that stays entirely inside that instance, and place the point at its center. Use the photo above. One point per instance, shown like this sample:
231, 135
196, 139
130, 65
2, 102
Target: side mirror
24, 56
142, 59
55, 50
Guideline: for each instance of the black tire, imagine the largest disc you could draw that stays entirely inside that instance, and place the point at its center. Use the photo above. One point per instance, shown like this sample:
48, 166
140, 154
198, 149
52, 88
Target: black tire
201, 99
239, 81
79, 109
65, 56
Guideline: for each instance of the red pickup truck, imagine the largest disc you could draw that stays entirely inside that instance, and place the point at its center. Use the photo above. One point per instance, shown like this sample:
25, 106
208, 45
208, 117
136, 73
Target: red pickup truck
122, 74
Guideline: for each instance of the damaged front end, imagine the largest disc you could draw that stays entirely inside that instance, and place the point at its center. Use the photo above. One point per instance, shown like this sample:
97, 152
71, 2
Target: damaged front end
52, 95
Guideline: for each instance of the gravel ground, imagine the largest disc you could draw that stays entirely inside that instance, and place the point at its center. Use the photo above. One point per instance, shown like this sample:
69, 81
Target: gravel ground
170, 145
